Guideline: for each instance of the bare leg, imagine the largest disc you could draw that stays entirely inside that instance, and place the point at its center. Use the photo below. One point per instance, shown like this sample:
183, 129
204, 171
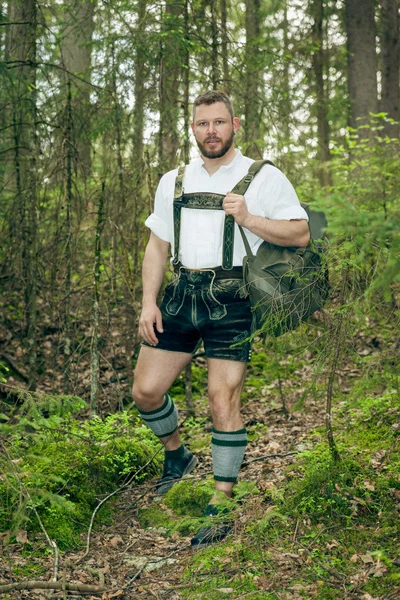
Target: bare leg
225, 384
155, 372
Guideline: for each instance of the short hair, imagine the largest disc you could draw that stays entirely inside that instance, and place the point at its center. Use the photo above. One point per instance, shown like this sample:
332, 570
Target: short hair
211, 97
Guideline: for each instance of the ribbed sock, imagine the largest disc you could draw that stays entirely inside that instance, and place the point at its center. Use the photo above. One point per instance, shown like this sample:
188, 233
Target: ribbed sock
228, 448
163, 421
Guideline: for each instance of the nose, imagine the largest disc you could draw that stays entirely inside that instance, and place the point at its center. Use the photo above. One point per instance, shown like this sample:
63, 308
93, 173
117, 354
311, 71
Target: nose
211, 127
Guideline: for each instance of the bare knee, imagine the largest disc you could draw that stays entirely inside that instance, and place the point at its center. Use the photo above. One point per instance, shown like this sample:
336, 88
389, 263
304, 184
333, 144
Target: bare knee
146, 397
225, 409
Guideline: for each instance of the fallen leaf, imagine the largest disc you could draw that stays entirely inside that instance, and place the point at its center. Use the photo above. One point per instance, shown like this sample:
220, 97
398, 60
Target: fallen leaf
225, 590
22, 536
354, 558
367, 558
117, 539
370, 486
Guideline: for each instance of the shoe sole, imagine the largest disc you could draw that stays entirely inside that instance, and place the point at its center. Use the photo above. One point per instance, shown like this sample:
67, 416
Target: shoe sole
163, 489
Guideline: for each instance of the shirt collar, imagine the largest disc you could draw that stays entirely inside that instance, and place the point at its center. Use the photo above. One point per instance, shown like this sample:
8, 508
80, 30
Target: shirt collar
227, 167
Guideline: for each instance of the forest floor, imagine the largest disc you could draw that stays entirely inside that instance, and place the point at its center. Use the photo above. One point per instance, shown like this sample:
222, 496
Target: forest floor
275, 553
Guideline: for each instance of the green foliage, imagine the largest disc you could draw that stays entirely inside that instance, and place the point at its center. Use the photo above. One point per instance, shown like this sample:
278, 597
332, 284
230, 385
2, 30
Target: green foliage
363, 212
188, 498
58, 465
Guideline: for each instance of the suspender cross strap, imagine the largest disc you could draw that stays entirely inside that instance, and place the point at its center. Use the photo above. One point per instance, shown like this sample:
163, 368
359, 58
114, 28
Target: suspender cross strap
209, 201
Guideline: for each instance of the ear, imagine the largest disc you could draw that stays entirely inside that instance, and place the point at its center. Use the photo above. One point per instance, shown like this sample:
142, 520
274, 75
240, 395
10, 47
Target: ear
192, 127
236, 124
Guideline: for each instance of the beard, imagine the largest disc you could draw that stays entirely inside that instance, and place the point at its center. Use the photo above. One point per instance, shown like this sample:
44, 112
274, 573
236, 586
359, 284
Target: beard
216, 153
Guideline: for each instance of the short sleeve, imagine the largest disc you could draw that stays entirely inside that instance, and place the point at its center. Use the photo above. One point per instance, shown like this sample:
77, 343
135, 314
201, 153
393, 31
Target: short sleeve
279, 199
158, 221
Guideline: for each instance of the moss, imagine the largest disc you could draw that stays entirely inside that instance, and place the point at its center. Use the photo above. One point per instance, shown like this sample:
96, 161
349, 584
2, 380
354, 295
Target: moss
64, 464
188, 498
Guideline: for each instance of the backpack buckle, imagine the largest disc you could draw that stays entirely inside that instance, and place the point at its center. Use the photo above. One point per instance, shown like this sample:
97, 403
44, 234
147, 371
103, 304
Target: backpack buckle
248, 178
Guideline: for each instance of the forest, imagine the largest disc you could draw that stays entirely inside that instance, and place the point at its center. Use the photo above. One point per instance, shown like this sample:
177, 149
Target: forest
95, 106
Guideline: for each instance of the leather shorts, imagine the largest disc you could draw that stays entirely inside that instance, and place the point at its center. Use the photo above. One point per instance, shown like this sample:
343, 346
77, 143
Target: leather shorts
209, 306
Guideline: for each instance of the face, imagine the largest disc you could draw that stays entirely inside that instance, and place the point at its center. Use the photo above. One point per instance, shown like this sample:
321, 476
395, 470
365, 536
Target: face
214, 129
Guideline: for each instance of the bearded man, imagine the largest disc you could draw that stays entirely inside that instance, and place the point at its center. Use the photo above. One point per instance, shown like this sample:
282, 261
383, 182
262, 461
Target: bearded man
205, 302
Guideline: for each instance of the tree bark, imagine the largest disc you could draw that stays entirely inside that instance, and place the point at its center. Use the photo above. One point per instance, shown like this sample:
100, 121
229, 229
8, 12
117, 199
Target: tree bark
68, 158
362, 64
170, 74
252, 123
390, 56
215, 70
76, 58
320, 91
21, 46
94, 350
224, 47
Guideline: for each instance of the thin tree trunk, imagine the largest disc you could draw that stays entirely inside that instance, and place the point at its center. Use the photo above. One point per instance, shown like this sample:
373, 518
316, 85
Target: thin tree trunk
362, 64
94, 350
189, 390
134, 237
320, 92
390, 56
215, 71
224, 47
76, 58
170, 71
68, 151
21, 46
186, 91
252, 124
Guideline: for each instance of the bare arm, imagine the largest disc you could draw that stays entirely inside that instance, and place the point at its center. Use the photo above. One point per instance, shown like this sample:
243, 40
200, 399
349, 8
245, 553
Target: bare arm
280, 232
153, 271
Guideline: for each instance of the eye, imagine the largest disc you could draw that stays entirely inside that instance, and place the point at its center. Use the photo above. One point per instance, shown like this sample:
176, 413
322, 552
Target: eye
220, 121
202, 124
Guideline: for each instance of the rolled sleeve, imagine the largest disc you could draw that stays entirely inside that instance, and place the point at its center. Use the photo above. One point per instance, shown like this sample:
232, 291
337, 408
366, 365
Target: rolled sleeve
291, 212
279, 199
160, 221
158, 227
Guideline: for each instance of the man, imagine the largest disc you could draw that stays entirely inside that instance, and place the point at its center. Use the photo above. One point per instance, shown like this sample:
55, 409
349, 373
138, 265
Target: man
205, 302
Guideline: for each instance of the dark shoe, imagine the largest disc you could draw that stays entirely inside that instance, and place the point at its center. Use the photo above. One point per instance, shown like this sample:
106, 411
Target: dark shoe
212, 532
174, 470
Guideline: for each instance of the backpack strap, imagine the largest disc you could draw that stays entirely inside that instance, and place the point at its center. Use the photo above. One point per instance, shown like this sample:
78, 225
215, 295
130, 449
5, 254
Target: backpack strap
241, 188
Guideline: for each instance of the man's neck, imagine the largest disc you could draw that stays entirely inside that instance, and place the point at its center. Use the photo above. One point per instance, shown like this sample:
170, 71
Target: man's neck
212, 165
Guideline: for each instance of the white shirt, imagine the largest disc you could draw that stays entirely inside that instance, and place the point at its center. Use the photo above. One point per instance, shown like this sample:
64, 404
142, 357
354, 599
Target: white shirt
270, 195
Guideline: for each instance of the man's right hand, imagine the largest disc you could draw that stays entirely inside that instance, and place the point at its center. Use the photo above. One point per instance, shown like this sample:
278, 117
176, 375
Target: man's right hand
150, 316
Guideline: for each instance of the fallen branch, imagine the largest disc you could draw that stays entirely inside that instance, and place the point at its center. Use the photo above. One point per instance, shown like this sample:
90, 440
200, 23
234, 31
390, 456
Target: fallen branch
52, 585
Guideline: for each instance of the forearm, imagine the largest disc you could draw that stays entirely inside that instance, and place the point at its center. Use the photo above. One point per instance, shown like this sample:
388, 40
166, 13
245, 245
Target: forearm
279, 232
153, 269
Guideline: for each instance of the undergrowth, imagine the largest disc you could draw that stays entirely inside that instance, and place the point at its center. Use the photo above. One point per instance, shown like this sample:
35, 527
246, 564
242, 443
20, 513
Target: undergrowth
58, 466
331, 530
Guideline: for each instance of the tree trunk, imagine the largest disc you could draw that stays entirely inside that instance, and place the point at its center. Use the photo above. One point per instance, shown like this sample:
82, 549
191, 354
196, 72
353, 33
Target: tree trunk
94, 350
224, 47
320, 92
21, 46
186, 89
169, 84
215, 71
390, 63
68, 154
362, 78
252, 123
76, 58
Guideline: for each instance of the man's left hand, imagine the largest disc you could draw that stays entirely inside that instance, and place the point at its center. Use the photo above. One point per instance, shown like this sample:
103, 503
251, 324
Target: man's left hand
235, 205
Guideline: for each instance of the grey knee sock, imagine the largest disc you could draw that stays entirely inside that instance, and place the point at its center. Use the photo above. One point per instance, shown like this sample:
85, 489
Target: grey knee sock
163, 421
228, 449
